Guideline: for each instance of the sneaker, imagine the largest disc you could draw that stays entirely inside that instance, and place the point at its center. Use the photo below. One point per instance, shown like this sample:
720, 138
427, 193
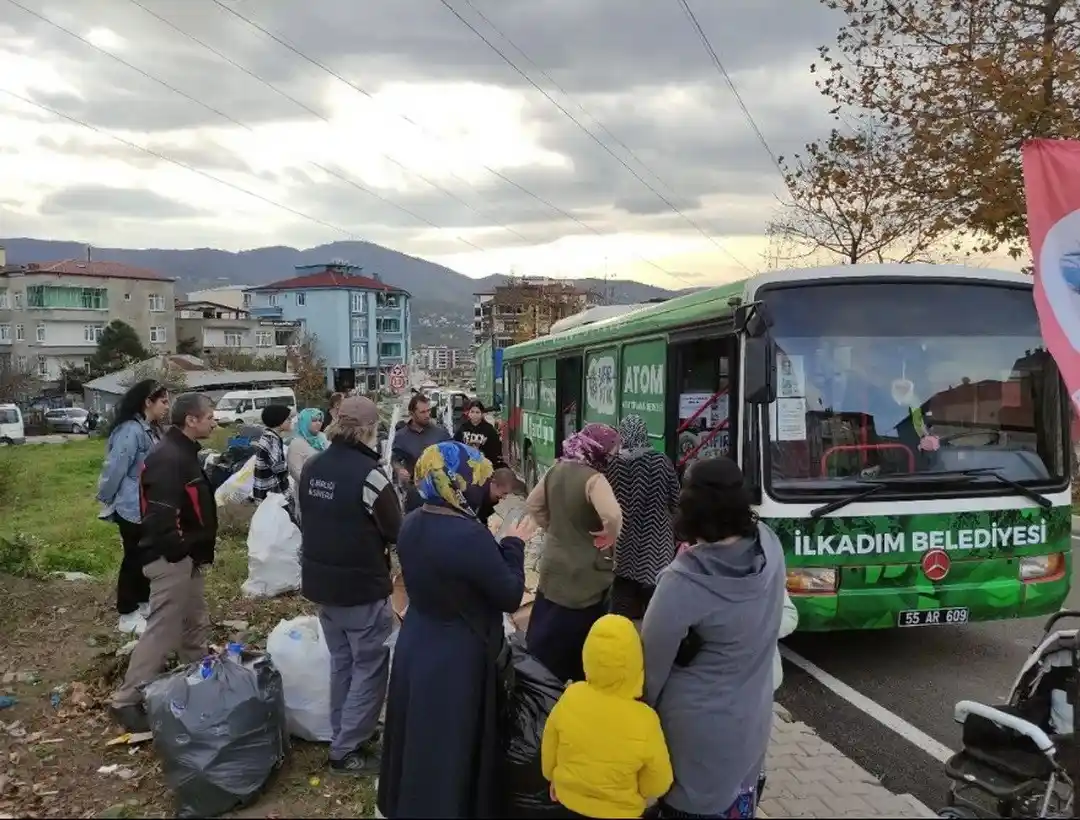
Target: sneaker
144, 609
133, 623
355, 764
131, 718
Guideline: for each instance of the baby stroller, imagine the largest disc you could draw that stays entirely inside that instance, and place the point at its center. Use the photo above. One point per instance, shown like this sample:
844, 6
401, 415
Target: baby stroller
1021, 759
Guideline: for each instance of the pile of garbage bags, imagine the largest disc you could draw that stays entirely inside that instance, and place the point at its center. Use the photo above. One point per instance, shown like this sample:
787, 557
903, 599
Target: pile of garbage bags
273, 550
525, 791
219, 731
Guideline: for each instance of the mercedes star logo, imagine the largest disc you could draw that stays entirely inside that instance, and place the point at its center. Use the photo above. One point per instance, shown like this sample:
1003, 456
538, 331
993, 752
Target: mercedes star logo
936, 564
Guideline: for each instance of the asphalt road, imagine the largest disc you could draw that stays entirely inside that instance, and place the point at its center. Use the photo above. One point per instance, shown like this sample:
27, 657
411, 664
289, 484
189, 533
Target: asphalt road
917, 674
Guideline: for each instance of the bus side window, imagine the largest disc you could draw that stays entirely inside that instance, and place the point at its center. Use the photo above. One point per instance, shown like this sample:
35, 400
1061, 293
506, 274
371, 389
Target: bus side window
705, 407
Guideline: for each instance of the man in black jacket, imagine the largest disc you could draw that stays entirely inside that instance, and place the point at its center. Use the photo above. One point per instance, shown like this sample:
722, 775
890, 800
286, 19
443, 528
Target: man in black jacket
179, 530
349, 517
418, 433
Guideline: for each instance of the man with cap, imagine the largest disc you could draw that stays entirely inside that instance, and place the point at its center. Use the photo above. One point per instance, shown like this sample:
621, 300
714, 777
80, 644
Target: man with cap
271, 469
350, 515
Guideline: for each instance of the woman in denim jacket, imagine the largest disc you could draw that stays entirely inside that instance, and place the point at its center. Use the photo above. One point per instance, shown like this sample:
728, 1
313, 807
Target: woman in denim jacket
135, 429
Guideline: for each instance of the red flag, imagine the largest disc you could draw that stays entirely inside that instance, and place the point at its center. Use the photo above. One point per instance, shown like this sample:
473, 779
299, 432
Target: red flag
1052, 188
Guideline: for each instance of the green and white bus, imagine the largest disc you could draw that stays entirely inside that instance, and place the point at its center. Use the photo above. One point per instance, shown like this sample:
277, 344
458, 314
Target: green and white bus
902, 427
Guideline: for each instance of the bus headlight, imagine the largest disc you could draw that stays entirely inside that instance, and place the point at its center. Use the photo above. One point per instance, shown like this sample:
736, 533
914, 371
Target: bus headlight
1042, 567
810, 580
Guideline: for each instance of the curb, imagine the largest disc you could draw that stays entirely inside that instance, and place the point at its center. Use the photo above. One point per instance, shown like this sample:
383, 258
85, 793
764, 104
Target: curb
918, 805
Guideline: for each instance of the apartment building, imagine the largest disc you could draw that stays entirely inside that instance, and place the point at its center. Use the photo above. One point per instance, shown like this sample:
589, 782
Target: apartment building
524, 308
440, 358
204, 327
360, 323
52, 314
232, 296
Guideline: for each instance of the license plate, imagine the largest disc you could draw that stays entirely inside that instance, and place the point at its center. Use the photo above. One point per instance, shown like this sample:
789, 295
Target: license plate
933, 617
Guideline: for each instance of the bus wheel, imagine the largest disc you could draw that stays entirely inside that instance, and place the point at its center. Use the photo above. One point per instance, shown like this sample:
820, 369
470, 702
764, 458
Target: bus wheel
531, 471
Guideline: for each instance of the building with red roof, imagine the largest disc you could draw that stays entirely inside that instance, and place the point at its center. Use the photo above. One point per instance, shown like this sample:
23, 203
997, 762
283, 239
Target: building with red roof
361, 323
53, 313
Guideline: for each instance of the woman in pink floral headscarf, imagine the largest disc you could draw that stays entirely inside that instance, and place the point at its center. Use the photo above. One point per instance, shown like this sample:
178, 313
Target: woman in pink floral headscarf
576, 507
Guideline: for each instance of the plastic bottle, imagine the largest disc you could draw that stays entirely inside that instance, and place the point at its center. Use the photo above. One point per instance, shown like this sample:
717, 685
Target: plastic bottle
235, 652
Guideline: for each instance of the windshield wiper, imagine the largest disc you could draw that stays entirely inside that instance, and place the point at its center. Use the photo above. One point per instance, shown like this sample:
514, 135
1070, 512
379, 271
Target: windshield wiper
833, 506
1015, 486
942, 476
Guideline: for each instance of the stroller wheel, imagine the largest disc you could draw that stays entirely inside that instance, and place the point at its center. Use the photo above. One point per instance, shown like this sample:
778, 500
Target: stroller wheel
955, 811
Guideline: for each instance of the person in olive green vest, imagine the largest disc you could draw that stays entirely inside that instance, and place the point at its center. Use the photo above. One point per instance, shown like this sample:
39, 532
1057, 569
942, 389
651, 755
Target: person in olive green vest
575, 505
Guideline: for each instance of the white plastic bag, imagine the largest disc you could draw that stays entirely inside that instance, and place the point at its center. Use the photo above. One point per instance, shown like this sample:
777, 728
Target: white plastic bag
273, 551
298, 650
237, 488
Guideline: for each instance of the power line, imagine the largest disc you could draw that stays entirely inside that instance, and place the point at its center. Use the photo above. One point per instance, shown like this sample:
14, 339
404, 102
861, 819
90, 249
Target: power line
319, 115
181, 164
718, 63
245, 126
596, 121
591, 135
540, 70
323, 67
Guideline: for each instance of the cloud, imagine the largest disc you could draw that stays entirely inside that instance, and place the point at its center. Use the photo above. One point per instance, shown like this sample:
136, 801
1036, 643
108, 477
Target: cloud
120, 202
422, 113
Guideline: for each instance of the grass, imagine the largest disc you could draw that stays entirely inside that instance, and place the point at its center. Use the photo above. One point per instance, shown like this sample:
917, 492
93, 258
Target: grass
48, 522
48, 512
47, 508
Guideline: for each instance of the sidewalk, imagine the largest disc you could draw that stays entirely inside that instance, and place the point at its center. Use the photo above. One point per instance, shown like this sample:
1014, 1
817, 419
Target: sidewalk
807, 777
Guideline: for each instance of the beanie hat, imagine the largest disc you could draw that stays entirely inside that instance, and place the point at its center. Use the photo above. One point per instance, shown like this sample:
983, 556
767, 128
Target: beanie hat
276, 415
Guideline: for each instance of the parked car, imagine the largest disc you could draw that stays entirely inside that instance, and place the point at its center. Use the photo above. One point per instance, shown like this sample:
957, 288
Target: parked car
68, 420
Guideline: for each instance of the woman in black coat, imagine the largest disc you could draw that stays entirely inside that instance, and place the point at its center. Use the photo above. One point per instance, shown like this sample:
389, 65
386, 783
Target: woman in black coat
441, 749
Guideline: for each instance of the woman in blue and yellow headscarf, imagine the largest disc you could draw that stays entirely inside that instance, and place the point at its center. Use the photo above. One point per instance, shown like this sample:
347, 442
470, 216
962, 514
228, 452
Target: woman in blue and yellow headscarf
453, 474
441, 745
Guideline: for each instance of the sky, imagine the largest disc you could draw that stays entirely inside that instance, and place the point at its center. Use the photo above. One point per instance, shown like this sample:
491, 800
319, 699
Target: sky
395, 123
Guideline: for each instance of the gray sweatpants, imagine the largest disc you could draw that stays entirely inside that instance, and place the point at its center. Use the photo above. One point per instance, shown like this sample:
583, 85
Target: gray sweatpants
359, 670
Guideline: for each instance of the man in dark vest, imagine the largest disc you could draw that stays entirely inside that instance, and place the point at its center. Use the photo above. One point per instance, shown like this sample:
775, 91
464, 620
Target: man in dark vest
350, 515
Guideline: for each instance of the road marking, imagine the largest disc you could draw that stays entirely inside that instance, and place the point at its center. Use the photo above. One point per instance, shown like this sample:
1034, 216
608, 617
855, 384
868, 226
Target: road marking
916, 737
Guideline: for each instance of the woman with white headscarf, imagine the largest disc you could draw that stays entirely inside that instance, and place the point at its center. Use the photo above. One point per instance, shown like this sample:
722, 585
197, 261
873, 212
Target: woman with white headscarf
647, 490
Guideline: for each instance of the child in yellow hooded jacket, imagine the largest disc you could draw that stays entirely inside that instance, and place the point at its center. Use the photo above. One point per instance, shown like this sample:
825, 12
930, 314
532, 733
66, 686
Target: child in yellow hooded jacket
603, 750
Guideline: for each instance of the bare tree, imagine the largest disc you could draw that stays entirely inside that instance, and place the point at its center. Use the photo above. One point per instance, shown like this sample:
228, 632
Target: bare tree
310, 369
844, 200
17, 387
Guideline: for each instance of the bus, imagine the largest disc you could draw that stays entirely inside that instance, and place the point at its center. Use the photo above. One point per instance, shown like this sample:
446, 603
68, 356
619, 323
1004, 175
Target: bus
902, 428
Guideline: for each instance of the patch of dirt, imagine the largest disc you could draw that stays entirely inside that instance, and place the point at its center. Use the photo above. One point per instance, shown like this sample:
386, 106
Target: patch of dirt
58, 659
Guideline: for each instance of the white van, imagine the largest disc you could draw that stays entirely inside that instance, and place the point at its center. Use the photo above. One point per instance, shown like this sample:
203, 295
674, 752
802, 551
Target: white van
12, 430
246, 406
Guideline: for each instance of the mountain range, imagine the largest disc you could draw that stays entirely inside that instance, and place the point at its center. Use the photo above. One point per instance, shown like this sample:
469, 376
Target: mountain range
442, 298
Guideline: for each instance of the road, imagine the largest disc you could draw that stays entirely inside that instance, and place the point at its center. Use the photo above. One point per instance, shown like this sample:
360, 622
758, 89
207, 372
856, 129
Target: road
917, 675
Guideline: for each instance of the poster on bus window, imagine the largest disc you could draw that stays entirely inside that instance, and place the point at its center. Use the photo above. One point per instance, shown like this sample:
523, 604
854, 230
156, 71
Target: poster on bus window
696, 425
1052, 189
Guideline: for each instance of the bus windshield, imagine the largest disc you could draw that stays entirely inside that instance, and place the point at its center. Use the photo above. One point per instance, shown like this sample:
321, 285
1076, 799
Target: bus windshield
901, 378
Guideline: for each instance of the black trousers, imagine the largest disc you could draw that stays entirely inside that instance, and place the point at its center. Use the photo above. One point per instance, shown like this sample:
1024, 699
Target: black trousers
630, 598
132, 587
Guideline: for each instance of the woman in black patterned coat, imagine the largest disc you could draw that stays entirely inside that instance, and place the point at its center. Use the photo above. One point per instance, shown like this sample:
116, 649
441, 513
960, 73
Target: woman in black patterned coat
647, 488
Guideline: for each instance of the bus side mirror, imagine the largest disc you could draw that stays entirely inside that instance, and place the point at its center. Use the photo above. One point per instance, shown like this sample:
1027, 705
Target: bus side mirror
759, 369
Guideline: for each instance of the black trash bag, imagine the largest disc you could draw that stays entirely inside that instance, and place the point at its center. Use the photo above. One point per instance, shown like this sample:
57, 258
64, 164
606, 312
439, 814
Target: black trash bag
220, 739
525, 791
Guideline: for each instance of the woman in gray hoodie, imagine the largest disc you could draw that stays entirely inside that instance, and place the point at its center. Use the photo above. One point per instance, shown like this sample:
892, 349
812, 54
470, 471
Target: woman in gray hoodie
710, 638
